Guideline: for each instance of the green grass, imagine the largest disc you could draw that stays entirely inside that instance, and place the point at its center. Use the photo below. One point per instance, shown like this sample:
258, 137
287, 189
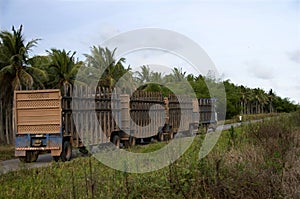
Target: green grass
154, 146
7, 152
259, 160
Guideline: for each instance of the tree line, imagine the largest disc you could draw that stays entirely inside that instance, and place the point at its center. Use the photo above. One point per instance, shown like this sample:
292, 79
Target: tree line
19, 70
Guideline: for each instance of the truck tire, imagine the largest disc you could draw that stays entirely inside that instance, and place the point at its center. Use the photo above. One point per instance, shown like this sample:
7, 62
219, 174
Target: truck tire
126, 143
31, 156
116, 141
83, 150
132, 141
66, 153
22, 159
56, 158
160, 136
171, 135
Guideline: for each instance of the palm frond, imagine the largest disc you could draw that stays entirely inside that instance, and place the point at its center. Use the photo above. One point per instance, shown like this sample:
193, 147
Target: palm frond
10, 69
25, 78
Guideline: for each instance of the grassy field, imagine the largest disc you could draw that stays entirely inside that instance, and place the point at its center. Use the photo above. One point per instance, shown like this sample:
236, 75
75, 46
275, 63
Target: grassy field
260, 160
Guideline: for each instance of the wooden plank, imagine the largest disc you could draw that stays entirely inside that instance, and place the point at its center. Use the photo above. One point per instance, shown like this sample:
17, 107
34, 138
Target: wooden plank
37, 111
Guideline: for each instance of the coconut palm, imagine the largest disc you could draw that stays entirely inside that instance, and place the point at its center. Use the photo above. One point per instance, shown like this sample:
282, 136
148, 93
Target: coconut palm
156, 77
178, 74
102, 65
14, 61
15, 72
62, 68
271, 96
143, 76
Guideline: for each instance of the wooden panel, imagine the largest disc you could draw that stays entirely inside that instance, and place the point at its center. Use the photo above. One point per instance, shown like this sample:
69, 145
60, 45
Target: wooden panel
142, 105
207, 110
94, 124
181, 109
38, 111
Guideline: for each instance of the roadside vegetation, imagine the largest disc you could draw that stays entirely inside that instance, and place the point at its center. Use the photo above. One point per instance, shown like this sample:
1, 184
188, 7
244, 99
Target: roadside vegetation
7, 152
252, 117
259, 160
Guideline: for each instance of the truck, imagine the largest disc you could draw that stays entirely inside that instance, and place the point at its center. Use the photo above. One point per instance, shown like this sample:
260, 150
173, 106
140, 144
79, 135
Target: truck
58, 120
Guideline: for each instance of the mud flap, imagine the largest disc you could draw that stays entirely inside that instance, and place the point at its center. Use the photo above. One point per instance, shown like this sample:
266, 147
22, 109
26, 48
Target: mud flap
20, 153
56, 152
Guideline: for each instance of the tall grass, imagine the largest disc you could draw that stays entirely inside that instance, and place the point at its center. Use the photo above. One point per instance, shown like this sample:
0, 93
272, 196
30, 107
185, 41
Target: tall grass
7, 152
260, 160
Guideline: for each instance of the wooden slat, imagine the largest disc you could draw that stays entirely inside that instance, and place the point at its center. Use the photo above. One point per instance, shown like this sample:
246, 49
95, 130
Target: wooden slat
38, 111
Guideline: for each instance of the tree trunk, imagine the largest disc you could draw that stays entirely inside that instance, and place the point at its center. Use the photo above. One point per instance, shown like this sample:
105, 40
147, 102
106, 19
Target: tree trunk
271, 107
2, 135
7, 127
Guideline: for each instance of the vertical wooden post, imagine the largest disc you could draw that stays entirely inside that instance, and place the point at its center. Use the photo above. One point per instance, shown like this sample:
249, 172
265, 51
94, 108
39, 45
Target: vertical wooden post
125, 114
7, 127
14, 130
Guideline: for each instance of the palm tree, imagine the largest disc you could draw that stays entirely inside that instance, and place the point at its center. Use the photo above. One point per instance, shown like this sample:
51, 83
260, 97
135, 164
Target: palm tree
14, 60
144, 75
15, 71
178, 75
102, 62
271, 96
41, 78
62, 68
250, 100
263, 99
156, 77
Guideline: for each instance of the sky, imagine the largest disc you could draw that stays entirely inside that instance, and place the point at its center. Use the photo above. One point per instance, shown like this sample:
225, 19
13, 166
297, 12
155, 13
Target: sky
252, 43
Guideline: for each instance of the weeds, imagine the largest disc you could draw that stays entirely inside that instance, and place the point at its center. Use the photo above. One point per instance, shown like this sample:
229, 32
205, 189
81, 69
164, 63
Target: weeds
259, 160
7, 152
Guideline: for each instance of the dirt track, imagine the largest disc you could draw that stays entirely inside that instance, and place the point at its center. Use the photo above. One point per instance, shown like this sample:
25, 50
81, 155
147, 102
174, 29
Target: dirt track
15, 164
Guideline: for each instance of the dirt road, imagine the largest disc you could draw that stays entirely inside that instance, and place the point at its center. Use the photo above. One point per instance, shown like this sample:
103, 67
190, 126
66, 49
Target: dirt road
15, 164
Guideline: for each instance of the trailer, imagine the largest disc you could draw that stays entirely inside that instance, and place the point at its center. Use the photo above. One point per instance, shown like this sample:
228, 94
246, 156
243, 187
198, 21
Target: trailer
208, 114
56, 120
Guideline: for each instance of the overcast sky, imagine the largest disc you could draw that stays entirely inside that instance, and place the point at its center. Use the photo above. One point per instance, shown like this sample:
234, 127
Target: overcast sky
254, 43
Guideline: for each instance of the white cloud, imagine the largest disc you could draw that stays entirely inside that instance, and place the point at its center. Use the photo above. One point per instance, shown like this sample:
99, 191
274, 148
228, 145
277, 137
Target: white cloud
294, 56
259, 70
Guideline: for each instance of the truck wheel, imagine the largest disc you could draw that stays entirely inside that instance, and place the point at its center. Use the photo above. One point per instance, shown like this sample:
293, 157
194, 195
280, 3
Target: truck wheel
116, 141
23, 159
191, 131
126, 143
83, 150
66, 153
160, 136
56, 158
132, 141
31, 156
171, 135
